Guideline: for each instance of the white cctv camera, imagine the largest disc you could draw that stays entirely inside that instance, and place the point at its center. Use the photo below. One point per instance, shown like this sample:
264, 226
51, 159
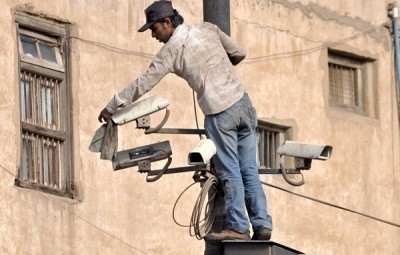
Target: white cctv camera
139, 109
305, 150
146, 154
303, 154
202, 153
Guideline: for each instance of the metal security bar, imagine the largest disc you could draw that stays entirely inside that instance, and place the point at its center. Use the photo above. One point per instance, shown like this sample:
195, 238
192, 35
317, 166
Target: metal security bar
41, 157
343, 85
42, 139
268, 142
40, 100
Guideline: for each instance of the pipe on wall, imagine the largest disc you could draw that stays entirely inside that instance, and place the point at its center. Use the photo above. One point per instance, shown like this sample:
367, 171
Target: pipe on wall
395, 15
218, 13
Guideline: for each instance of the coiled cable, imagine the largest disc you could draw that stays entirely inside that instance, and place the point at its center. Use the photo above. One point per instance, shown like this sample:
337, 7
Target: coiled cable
199, 226
201, 221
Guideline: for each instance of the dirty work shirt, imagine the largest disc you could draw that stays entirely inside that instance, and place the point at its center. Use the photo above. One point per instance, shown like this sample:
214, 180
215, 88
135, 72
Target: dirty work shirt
202, 55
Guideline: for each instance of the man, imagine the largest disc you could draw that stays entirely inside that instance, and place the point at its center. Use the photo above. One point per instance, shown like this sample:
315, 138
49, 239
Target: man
204, 56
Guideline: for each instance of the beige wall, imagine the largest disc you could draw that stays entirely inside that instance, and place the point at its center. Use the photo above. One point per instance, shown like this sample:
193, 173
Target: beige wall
119, 213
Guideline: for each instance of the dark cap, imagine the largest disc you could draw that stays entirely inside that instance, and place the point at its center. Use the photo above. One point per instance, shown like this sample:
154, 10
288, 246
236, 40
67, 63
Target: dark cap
155, 12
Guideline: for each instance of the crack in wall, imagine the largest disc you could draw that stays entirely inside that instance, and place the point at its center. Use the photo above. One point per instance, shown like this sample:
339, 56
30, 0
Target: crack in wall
328, 15
272, 28
314, 11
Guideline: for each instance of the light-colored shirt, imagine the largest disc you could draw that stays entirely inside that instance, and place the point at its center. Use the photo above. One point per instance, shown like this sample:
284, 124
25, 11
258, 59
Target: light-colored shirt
201, 54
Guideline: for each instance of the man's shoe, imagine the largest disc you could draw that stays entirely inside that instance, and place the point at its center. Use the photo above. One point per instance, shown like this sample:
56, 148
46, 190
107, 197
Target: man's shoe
227, 234
262, 234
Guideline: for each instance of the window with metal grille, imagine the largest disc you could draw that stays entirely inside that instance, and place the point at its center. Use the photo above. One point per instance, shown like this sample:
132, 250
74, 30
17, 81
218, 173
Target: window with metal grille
44, 105
343, 83
346, 81
269, 138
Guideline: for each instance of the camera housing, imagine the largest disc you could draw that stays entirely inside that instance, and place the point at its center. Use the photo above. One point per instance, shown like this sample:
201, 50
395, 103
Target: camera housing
142, 155
305, 150
139, 109
304, 153
202, 153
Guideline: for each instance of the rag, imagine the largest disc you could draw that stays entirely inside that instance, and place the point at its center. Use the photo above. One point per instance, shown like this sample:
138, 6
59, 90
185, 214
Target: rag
105, 141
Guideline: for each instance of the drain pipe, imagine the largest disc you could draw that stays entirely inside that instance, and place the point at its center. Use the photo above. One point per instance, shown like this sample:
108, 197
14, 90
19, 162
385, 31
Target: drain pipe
218, 13
394, 13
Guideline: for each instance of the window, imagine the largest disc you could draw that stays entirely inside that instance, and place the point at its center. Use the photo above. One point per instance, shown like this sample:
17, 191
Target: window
269, 138
44, 107
41, 50
351, 82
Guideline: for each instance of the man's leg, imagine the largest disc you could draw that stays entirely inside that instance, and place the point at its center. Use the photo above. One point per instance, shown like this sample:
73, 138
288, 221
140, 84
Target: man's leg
256, 202
221, 128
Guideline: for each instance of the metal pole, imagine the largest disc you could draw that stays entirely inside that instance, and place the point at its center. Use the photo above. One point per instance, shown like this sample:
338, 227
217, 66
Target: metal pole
396, 42
218, 13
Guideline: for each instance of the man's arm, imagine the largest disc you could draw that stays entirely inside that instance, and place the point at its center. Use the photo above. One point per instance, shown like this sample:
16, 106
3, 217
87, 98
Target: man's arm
158, 68
236, 52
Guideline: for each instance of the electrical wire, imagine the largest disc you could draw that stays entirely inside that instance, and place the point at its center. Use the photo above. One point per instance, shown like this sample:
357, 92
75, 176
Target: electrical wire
195, 114
248, 59
332, 205
175, 204
311, 50
284, 174
112, 48
5, 169
200, 226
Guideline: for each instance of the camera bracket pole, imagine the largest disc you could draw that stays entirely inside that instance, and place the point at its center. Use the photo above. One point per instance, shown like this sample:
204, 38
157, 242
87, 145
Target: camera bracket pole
140, 112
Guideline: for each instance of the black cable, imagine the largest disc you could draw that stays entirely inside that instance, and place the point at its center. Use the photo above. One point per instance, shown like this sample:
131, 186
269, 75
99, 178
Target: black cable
330, 204
284, 174
112, 48
195, 113
176, 202
310, 50
200, 226
247, 60
5, 169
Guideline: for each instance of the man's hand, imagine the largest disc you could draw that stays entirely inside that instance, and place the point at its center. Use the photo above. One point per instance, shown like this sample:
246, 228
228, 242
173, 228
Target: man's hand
104, 115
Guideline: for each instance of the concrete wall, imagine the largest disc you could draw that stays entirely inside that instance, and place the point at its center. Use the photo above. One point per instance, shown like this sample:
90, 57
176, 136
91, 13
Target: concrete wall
119, 213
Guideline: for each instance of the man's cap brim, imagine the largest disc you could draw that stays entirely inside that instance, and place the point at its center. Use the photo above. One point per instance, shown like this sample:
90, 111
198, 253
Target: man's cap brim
146, 26
155, 12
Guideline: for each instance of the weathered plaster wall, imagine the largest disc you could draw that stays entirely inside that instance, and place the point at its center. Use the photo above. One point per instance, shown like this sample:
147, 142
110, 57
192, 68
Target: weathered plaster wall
361, 175
119, 213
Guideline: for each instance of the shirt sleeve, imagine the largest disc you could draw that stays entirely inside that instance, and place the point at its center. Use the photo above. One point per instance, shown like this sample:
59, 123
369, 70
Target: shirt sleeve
236, 52
159, 67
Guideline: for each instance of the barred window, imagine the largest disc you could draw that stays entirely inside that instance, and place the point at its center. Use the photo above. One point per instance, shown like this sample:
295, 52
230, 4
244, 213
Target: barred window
351, 83
345, 84
44, 108
269, 138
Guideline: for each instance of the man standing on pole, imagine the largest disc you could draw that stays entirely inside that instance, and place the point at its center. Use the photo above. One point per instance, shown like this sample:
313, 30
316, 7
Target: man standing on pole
205, 56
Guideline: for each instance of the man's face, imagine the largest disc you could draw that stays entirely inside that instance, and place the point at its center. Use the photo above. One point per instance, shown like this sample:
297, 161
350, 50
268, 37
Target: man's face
162, 31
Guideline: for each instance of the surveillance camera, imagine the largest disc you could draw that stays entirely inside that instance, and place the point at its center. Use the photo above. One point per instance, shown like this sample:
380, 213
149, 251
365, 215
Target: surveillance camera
139, 109
305, 150
202, 153
148, 153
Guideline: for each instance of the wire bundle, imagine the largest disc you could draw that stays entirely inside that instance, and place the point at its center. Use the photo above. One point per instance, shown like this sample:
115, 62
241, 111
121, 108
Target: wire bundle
199, 226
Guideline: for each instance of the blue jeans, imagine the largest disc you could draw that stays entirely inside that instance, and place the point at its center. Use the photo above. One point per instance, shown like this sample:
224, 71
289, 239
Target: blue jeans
233, 132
